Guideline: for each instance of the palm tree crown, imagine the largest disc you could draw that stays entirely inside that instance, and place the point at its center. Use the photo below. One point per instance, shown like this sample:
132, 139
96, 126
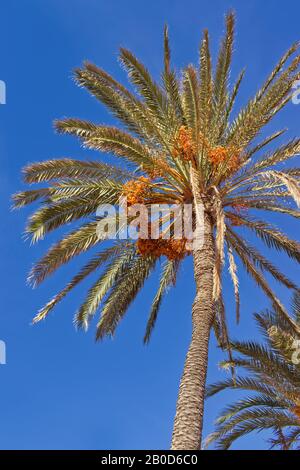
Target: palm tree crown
180, 145
174, 128
273, 378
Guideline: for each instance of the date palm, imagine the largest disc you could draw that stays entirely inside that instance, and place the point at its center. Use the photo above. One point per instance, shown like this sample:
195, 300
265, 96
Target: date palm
178, 144
273, 378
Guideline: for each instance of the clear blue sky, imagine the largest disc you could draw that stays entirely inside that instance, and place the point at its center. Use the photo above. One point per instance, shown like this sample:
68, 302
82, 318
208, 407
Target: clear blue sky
59, 388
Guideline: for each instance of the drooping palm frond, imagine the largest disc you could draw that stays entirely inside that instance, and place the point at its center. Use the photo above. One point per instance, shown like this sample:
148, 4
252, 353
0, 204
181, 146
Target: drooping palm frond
168, 277
258, 259
268, 101
70, 168
271, 236
95, 263
124, 291
273, 376
109, 277
61, 210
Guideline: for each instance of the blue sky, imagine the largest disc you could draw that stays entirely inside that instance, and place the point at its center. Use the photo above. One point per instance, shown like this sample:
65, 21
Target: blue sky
59, 389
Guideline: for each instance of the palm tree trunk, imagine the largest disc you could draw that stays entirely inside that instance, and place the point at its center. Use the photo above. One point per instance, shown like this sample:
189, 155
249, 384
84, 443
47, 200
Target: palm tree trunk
190, 405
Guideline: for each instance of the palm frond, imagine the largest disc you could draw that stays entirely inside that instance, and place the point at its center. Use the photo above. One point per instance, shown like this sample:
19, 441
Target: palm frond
230, 103
23, 198
273, 378
62, 210
291, 183
73, 244
272, 236
205, 84
123, 104
262, 283
170, 81
259, 260
69, 168
149, 90
109, 139
221, 78
191, 102
263, 143
124, 291
268, 101
95, 263
102, 286
168, 277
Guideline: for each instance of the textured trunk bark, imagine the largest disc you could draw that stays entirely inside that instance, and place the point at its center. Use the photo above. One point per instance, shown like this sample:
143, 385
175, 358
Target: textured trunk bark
190, 405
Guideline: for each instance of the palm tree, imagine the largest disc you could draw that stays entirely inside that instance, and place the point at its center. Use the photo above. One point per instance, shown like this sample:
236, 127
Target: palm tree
179, 145
273, 374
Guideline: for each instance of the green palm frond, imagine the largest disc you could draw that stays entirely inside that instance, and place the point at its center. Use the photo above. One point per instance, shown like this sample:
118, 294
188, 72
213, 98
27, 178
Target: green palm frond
256, 148
123, 105
268, 101
70, 168
95, 263
262, 283
124, 291
230, 103
274, 381
279, 373
109, 139
292, 438
256, 420
168, 277
102, 286
206, 85
171, 83
258, 259
264, 204
73, 244
23, 198
52, 216
221, 78
151, 92
281, 154
242, 383
251, 401
272, 236
191, 102
83, 202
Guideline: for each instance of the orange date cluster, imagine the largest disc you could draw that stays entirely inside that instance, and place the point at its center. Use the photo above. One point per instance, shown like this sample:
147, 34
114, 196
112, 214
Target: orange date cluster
171, 248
